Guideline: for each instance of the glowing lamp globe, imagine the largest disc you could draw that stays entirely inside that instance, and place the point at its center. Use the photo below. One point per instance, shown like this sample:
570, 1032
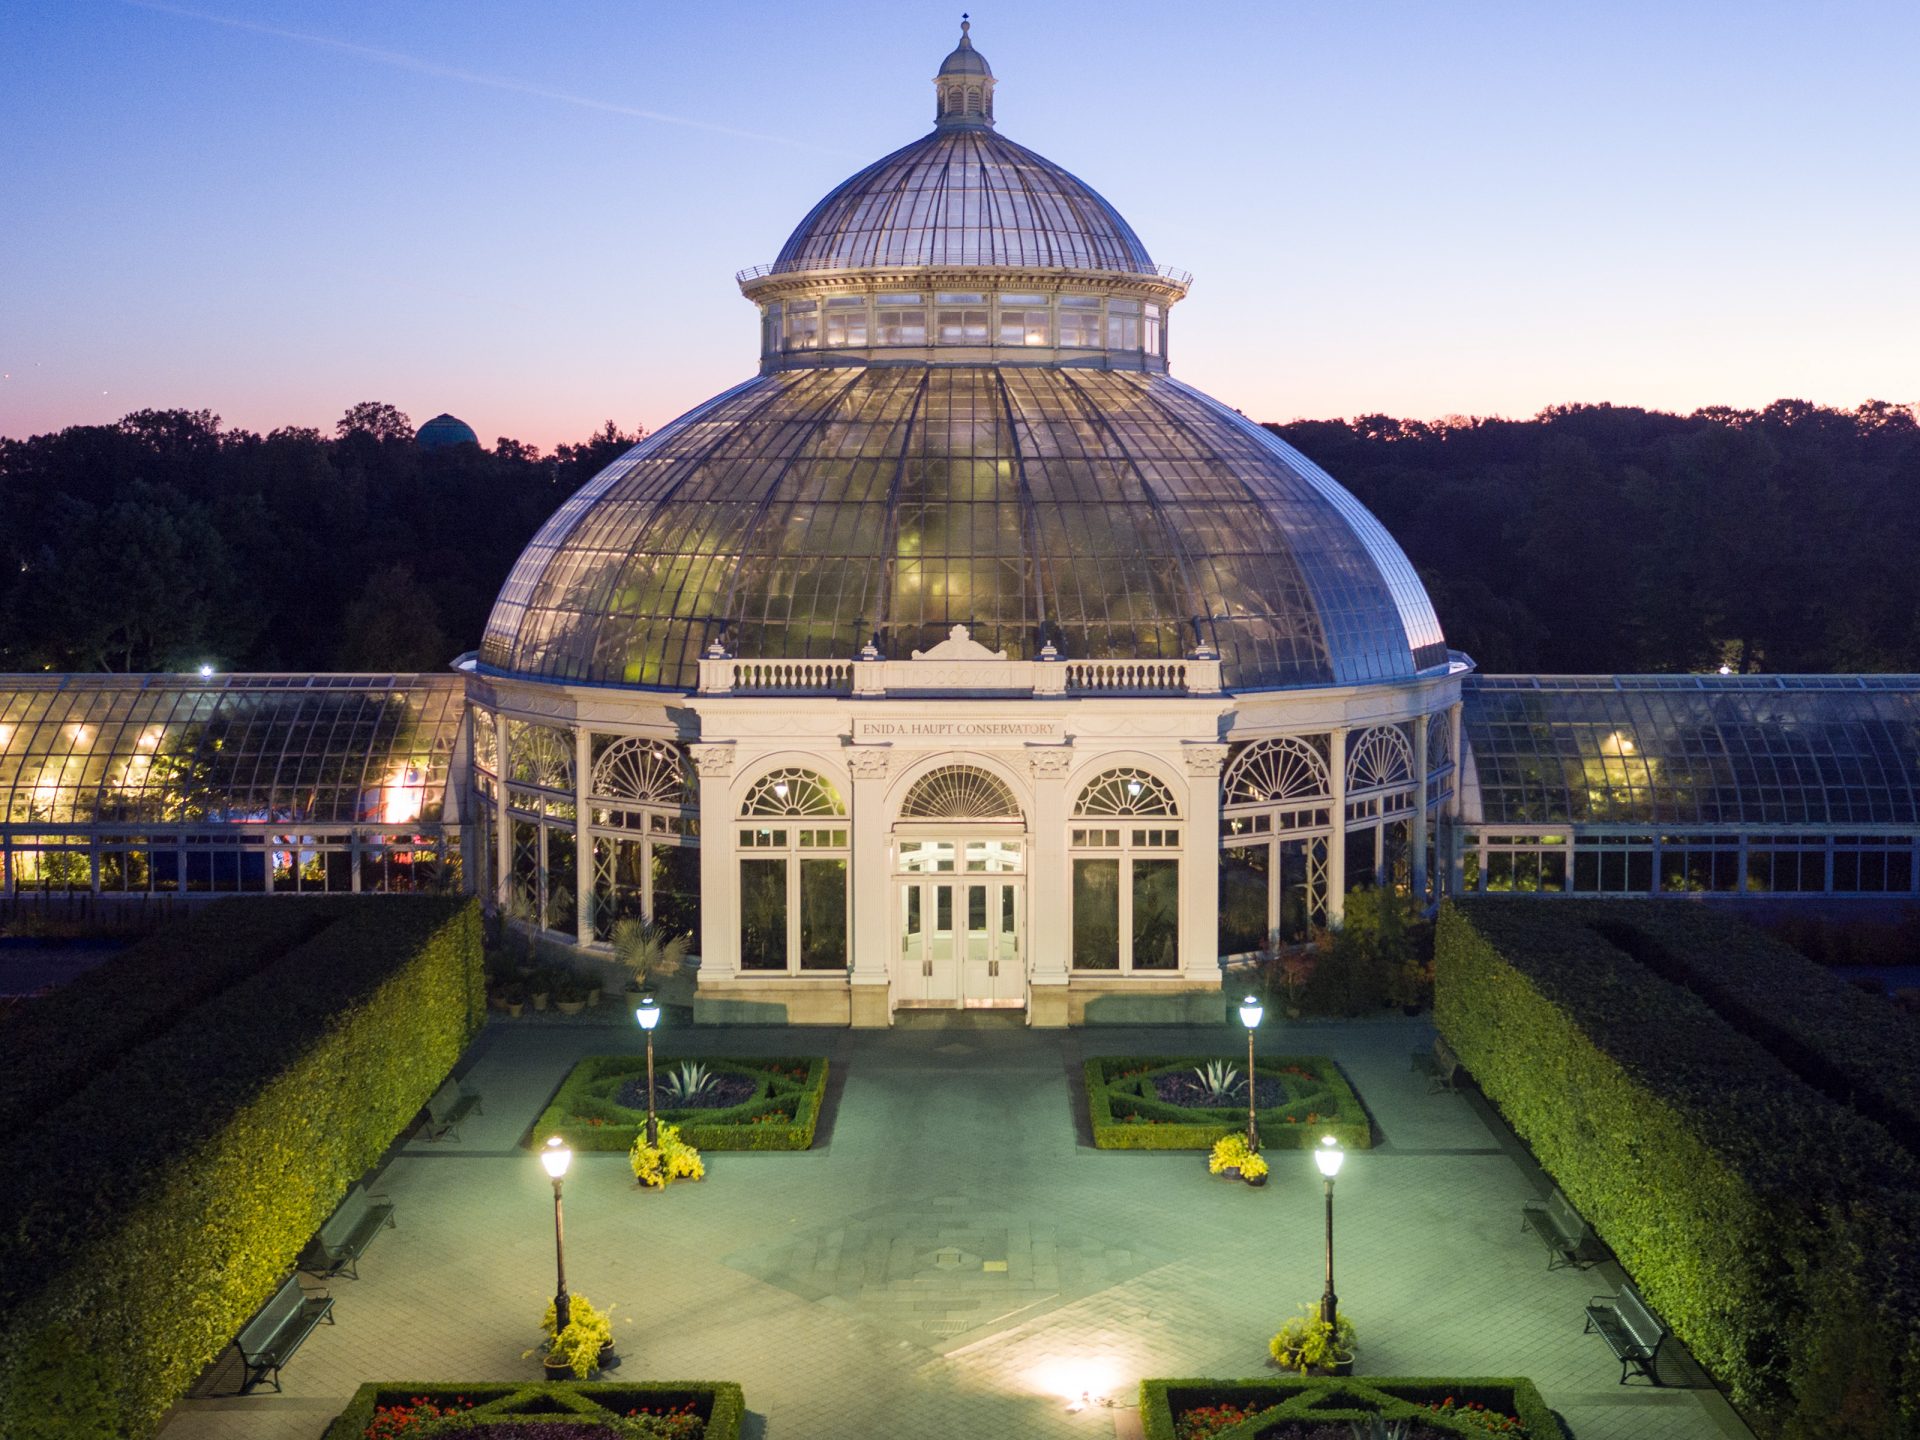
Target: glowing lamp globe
647, 1012
1328, 1155
1250, 1012
556, 1157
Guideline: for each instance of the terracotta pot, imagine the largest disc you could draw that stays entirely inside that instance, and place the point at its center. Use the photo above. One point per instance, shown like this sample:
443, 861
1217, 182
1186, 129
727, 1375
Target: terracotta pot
516, 1008
569, 1007
540, 999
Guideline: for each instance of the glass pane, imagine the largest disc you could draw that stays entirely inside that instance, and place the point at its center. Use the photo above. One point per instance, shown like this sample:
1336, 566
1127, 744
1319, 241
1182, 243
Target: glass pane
763, 914
1243, 898
561, 881
823, 914
1156, 914
1096, 914
676, 891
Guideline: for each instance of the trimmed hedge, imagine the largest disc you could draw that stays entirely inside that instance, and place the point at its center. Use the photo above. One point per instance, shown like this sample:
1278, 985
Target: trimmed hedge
720, 1403
1854, 1047
1127, 1116
1734, 1193
1335, 1399
63, 1039
187, 1177
586, 1115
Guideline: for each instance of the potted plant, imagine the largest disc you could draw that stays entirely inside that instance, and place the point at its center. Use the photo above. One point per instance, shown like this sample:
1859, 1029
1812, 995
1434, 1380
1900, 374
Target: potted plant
1310, 1345
586, 1345
1295, 971
658, 1166
513, 999
1230, 1155
540, 985
569, 993
1253, 1169
643, 947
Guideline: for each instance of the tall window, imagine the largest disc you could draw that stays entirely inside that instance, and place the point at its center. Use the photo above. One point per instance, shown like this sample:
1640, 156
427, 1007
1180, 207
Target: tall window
540, 799
793, 874
1379, 789
1276, 804
1080, 322
1151, 332
1125, 840
803, 325
1123, 324
646, 836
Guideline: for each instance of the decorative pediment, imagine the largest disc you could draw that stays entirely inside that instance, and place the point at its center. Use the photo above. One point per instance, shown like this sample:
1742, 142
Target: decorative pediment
959, 645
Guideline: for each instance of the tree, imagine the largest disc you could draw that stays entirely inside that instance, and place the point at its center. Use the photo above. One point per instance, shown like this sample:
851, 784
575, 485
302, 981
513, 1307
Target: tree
393, 624
377, 420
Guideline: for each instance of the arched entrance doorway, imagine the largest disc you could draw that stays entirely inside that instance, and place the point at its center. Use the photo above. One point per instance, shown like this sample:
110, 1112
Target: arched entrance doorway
960, 852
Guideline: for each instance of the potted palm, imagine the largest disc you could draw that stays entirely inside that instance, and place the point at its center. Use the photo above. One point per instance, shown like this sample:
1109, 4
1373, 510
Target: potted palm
645, 948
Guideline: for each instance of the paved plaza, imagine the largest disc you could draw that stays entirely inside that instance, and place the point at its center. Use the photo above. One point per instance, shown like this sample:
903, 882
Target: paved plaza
953, 1258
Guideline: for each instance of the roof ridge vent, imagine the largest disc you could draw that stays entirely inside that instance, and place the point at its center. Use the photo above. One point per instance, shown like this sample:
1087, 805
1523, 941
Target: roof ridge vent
964, 86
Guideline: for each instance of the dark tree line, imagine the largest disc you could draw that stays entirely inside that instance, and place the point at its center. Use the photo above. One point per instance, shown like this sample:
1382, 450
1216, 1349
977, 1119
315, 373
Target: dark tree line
1599, 538
1588, 539
165, 542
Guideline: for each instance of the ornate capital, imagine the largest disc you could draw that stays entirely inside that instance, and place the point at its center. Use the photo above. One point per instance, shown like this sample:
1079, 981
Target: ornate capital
714, 762
1205, 760
869, 762
1050, 762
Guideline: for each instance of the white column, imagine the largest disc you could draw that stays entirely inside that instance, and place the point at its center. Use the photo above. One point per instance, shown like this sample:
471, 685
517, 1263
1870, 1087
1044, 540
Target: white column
1419, 840
502, 826
1049, 889
1337, 846
719, 874
871, 941
582, 836
1200, 865
1455, 798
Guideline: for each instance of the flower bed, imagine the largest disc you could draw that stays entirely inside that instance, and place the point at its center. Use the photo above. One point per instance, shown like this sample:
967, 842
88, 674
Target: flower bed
1311, 1098
1300, 1408
779, 1112
655, 1410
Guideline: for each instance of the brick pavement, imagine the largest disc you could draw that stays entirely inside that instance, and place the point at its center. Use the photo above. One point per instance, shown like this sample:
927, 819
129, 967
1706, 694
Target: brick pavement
952, 1259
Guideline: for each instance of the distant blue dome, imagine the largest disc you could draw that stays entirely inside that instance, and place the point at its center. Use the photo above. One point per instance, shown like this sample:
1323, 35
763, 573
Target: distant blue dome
445, 430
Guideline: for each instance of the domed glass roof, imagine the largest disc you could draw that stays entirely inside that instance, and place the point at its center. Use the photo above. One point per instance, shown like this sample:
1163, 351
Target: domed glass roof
1111, 513
964, 196
444, 430
891, 478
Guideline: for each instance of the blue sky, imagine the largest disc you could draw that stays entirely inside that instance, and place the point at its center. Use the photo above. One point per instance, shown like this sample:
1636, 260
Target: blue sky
530, 214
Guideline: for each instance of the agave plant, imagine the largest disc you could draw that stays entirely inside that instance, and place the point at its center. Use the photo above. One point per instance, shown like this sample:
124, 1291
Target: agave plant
1377, 1428
689, 1083
1220, 1080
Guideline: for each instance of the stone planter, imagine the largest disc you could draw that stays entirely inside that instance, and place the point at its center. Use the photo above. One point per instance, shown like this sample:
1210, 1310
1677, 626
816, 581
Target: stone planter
569, 1007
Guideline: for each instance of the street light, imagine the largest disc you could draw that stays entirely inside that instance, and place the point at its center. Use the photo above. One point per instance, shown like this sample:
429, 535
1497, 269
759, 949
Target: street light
1250, 1013
1328, 1155
647, 1012
555, 1158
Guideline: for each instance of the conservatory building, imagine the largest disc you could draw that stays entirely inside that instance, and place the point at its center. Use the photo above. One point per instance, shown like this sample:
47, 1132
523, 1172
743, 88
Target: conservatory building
962, 657
955, 658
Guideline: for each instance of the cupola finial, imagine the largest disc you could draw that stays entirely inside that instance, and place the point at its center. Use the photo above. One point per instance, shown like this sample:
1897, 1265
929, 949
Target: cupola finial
964, 85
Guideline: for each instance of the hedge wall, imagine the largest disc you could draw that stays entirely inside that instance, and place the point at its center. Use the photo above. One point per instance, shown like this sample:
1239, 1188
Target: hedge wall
188, 1177
60, 1041
721, 1403
1297, 1397
1731, 1190
1854, 1047
1161, 1126
588, 1119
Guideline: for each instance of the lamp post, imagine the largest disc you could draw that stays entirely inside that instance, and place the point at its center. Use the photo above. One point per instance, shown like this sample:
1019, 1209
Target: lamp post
1250, 1013
647, 1012
1328, 1155
555, 1157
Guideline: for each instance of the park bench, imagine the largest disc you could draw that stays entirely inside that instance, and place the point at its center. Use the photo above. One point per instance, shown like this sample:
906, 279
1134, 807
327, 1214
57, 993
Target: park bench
1441, 1065
269, 1339
337, 1249
1630, 1329
1560, 1229
450, 1104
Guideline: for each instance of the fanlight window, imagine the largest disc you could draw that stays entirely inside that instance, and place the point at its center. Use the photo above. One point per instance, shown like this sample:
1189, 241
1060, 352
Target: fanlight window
541, 755
1126, 791
1284, 771
960, 792
652, 772
486, 744
1439, 735
793, 792
1379, 759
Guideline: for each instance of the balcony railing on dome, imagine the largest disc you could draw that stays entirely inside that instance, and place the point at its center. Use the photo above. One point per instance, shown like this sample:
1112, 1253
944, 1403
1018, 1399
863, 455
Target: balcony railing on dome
1170, 273
727, 675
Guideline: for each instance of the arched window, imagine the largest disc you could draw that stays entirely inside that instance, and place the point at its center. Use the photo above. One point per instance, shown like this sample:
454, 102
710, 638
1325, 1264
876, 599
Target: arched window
1379, 798
1125, 792
959, 792
1276, 820
646, 836
543, 858
1439, 738
1125, 841
793, 874
540, 755
486, 748
1378, 759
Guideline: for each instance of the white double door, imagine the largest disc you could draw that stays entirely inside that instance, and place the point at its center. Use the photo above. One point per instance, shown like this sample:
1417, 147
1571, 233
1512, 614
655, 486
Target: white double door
960, 941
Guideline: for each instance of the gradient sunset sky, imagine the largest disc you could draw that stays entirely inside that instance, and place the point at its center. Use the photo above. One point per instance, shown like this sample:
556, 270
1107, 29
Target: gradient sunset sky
529, 214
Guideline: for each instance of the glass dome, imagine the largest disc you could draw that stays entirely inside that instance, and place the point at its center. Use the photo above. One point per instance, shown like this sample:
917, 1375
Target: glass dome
1055, 489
